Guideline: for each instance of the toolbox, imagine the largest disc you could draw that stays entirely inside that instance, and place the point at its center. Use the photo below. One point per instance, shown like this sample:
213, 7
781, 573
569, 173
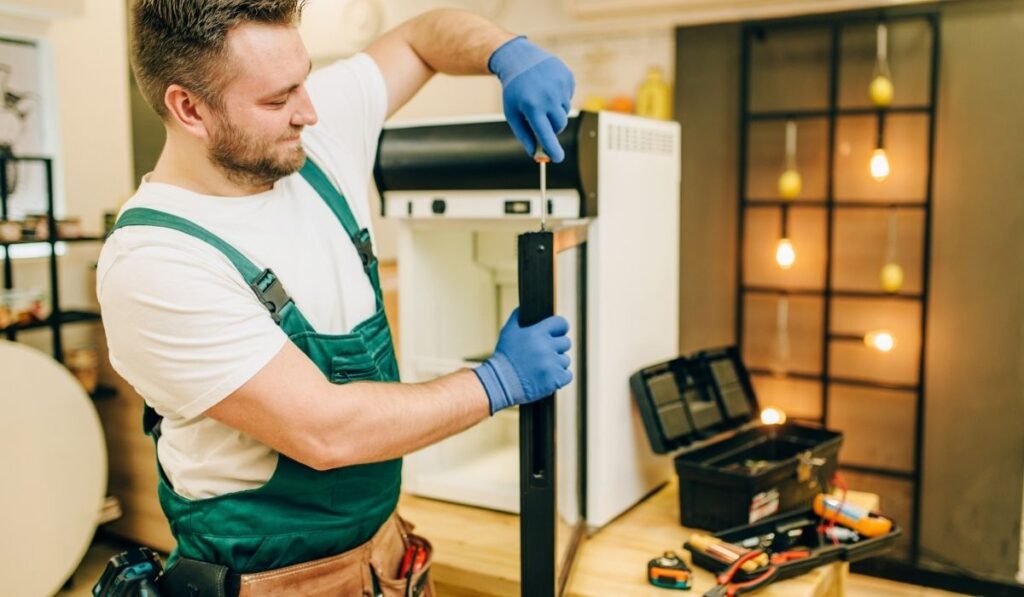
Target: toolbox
794, 531
733, 470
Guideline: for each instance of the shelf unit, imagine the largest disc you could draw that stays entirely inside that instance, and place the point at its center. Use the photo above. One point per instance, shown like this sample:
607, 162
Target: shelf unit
58, 317
835, 207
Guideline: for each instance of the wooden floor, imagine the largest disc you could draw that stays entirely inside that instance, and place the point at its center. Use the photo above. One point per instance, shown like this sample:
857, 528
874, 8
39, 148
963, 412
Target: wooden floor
857, 586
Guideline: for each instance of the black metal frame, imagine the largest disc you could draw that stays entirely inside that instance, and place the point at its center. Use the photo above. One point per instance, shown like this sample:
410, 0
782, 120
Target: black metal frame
538, 500
58, 317
835, 24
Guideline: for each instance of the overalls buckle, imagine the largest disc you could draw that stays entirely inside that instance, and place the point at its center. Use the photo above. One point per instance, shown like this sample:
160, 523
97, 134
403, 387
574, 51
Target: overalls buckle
270, 291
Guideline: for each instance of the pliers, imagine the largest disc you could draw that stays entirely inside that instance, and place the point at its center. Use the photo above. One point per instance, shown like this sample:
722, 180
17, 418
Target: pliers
727, 588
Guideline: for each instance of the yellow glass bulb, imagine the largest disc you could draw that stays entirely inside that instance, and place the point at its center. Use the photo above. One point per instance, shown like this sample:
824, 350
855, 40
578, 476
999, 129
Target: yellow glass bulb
790, 184
881, 91
785, 256
892, 277
880, 340
773, 416
879, 165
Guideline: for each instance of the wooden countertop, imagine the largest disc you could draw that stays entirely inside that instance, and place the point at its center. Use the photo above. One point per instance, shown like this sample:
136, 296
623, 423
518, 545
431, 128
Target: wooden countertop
476, 551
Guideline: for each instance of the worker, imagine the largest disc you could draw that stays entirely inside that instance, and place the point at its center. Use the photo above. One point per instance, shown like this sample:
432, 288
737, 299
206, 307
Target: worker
241, 297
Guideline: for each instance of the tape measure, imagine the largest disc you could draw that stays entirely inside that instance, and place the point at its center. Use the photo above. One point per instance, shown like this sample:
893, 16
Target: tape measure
668, 572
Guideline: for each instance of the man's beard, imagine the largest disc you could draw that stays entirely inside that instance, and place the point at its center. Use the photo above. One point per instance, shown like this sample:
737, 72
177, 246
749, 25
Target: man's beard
250, 161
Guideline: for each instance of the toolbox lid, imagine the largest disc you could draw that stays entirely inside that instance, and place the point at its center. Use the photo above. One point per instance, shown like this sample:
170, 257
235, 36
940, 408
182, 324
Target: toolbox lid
687, 400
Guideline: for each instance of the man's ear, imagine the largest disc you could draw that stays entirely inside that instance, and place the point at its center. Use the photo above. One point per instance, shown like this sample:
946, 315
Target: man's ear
188, 110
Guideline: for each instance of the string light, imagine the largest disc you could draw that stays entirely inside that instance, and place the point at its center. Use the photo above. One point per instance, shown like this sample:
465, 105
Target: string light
880, 340
879, 164
892, 274
881, 89
790, 182
785, 255
773, 416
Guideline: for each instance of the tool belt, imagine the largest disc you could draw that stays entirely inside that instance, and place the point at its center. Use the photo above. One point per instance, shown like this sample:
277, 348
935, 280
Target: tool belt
370, 570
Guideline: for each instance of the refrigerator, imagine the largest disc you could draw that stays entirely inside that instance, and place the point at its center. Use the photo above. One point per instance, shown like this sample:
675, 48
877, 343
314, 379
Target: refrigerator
471, 249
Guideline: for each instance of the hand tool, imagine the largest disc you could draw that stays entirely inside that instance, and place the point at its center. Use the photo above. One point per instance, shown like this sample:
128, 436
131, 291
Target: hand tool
727, 588
725, 552
542, 158
668, 572
866, 523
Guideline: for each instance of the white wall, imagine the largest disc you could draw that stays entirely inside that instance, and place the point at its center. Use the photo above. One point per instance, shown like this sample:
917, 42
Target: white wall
88, 47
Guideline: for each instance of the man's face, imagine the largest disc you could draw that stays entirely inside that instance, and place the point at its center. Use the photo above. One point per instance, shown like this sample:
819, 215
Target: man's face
254, 137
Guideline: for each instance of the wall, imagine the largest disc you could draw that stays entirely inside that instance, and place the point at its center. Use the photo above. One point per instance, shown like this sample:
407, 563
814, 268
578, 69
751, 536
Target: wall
974, 447
974, 450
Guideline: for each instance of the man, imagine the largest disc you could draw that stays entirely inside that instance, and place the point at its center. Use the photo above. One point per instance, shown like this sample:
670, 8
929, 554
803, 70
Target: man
240, 293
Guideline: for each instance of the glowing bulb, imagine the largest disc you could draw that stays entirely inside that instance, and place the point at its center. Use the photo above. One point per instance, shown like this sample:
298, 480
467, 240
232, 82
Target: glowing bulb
880, 340
879, 165
773, 416
790, 184
785, 256
892, 277
881, 91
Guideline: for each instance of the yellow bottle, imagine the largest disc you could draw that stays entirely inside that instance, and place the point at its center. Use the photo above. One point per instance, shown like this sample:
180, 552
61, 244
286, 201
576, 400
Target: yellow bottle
654, 96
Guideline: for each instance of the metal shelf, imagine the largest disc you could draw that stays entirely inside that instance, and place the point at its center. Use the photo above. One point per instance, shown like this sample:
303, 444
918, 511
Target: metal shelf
66, 317
831, 379
80, 239
838, 204
770, 115
820, 292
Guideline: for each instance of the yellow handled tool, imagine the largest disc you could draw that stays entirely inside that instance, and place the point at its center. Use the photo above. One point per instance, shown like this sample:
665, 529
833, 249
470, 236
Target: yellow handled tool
868, 524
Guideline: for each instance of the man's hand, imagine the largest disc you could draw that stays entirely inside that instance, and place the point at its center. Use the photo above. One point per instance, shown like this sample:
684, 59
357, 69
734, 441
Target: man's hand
536, 89
528, 364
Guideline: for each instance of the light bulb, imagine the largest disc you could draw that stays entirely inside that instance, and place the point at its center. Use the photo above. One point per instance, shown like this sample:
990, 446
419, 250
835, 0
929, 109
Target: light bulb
892, 277
790, 184
880, 340
879, 165
773, 416
785, 256
881, 91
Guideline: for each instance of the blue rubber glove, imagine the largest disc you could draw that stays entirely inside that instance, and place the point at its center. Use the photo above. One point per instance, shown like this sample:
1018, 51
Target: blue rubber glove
536, 89
528, 363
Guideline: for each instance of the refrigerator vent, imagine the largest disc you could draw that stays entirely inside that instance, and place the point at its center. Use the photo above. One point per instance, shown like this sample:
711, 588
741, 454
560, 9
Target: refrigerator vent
637, 139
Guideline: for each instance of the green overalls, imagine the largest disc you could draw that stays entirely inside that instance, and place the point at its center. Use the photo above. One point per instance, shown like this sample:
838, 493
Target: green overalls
300, 514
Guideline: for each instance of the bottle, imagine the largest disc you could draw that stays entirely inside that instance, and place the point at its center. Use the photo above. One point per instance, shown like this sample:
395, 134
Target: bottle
654, 97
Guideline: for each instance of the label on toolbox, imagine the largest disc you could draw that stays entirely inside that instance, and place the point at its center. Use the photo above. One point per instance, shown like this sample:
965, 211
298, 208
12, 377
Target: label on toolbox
764, 504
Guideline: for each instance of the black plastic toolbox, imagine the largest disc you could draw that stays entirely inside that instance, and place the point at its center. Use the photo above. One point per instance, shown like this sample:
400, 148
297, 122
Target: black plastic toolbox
733, 470
822, 550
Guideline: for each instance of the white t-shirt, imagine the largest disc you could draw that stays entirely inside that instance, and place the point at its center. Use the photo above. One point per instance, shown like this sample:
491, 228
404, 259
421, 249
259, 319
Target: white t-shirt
183, 327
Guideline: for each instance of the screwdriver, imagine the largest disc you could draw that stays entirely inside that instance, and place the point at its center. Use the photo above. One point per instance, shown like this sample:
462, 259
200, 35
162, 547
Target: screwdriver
542, 158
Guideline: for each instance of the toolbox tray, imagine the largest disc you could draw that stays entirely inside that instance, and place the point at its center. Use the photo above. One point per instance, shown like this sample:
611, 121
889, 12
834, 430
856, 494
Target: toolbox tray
822, 550
704, 411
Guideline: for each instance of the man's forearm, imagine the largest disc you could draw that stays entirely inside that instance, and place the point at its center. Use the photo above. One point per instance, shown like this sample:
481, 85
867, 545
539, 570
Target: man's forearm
372, 422
290, 406
454, 42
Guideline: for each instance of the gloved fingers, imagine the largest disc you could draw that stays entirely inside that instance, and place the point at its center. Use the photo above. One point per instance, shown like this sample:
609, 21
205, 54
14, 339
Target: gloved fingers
563, 361
561, 344
558, 119
556, 325
564, 378
522, 129
545, 130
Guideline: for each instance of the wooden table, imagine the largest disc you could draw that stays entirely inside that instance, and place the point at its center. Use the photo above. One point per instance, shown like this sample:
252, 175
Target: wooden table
476, 551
